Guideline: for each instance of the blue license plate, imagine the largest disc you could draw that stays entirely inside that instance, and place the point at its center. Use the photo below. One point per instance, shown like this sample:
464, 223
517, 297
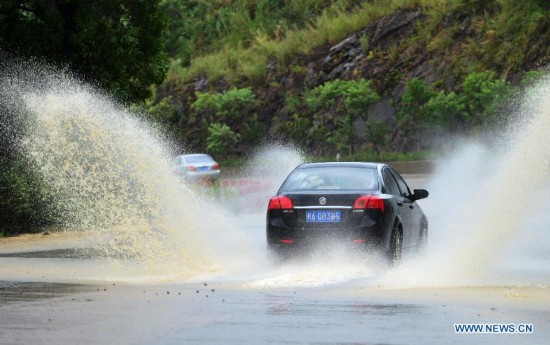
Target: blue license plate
204, 168
323, 216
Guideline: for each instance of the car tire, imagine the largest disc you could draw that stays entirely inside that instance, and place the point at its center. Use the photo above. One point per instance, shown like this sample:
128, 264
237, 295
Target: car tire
396, 247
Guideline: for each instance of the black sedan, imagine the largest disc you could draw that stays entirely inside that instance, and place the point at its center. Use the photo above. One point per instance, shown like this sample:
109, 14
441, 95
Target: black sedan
363, 204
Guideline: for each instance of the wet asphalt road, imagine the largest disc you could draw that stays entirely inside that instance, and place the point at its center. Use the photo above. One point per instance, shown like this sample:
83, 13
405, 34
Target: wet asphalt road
306, 308
193, 313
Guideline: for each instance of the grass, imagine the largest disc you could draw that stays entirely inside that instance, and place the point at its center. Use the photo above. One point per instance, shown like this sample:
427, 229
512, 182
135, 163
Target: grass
393, 52
442, 40
507, 37
328, 28
364, 42
500, 40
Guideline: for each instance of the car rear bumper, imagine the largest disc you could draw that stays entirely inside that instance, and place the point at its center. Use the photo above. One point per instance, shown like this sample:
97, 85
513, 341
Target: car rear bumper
282, 236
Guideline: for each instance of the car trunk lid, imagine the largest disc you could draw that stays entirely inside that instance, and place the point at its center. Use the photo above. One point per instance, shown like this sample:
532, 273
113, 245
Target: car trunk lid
323, 209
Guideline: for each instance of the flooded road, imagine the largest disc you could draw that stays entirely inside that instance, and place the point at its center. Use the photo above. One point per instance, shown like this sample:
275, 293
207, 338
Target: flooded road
148, 259
177, 314
54, 296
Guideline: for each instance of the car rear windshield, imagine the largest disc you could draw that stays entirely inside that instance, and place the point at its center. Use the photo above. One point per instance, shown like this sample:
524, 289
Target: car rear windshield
337, 178
198, 159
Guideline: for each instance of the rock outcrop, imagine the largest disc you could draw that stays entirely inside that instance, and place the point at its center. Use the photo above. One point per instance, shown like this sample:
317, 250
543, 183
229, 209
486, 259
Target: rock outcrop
387, 52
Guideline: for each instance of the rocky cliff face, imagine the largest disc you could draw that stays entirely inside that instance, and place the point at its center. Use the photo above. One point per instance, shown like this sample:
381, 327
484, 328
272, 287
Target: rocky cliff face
388, 52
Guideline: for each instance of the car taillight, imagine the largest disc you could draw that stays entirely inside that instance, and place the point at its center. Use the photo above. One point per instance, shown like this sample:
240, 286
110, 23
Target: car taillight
370, 202
280, 203
215, 166
191, 168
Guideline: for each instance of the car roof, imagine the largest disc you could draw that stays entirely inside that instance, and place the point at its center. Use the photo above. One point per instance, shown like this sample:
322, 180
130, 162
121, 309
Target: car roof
341, 164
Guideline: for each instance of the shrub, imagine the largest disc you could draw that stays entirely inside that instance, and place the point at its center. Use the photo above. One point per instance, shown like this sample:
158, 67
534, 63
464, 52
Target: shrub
415, 97
481, 95
161, 111
221, 139
477, 103
446, 110
347, 100
253, 131
227, 106
412, 115
25, 204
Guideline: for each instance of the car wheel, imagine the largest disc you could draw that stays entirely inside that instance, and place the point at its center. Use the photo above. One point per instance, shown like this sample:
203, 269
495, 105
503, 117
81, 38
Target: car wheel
396, 247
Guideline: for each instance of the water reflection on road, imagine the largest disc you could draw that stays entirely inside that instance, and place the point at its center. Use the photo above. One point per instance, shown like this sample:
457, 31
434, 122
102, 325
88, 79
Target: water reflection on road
217, 313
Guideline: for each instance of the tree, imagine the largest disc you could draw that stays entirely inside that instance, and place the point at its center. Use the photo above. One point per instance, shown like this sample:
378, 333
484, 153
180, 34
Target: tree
233, 108
221, 138
227, 106
481, 96
412, 115
447, 110
415, 97
348, 100
116, 44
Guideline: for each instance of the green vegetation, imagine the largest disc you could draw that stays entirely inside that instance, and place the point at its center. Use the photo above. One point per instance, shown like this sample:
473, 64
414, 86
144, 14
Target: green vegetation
226, 106
197, 27
506, 33
241, 45
220, 139
24, 202
346, 100
371, 156
334, 21
511, 32
412, 115
160, 112
220, 112
116, 44
480, 101
476, 104
230, 74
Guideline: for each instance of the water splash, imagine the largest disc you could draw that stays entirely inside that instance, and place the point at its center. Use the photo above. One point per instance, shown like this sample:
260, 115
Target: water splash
242, 248
265, 171
108, 170
484, 199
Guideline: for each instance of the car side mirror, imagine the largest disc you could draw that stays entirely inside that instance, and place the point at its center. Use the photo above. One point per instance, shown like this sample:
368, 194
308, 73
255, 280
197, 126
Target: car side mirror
420, 194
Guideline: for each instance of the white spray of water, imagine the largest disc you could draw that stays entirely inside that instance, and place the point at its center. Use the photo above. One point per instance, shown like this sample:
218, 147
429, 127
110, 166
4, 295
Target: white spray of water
241, 247
109, 172
268, 167
484, 199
